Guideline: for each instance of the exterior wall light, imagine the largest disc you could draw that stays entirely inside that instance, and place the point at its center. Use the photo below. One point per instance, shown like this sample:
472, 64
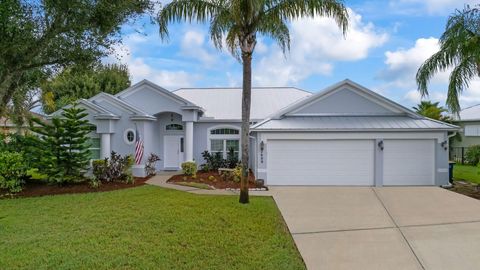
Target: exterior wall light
262, 146
380, 145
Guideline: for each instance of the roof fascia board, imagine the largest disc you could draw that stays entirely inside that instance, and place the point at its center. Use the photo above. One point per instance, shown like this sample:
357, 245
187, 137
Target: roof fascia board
339, 86
160, 90
119, 103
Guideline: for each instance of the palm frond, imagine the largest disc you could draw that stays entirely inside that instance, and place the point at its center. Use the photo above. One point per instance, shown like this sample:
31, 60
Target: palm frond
459, 80
199, 11
440, 61
294, 9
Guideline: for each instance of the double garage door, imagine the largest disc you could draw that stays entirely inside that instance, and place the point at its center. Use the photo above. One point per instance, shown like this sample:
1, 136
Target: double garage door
349, 162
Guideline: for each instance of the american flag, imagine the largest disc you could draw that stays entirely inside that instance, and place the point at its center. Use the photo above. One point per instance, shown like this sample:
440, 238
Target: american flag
138, 147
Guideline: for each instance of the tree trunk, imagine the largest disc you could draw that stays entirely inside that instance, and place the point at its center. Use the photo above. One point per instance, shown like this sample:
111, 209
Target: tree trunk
246, 100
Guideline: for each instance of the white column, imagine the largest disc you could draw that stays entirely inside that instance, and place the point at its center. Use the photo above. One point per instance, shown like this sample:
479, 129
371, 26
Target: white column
105, 145
189, 141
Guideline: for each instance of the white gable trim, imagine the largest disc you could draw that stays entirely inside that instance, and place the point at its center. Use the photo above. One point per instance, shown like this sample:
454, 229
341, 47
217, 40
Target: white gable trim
101, 111
156, 88
119, 103
360, 90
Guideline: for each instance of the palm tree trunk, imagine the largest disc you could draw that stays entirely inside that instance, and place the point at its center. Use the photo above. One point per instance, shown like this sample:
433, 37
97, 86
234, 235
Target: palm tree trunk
246, 100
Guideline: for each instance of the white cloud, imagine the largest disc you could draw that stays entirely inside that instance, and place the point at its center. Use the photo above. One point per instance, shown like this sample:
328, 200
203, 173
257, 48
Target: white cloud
316, 44
432, 7
139, 69
401, 68
193, 45
403, 64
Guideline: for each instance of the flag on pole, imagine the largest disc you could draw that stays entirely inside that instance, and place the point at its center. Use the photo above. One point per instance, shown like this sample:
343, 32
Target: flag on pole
138, 147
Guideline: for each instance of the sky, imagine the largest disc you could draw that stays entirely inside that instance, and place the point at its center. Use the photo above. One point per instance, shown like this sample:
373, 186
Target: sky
386, 43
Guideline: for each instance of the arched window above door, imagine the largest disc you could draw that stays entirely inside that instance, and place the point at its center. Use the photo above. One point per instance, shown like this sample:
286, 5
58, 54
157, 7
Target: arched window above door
173, 127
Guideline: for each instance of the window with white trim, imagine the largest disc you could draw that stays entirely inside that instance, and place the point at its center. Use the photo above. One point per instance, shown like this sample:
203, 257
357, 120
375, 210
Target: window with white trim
94, 148
129, 136
224, 140
472, 130
171, 127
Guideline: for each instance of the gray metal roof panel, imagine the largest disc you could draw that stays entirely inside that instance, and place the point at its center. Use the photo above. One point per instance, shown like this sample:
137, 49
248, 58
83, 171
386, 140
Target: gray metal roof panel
353, 123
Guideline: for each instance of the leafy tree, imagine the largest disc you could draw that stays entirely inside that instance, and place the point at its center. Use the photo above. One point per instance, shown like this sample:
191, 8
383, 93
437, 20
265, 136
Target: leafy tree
432, 110
78, 82
61, 151
460, 49
239, 22
49, 34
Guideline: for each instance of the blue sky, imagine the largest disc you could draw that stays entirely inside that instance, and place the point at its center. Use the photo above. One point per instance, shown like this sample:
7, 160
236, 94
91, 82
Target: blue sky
386, 43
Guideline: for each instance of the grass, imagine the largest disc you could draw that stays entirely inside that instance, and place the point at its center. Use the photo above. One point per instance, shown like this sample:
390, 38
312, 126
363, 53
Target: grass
467, 173
144, 228
193, 184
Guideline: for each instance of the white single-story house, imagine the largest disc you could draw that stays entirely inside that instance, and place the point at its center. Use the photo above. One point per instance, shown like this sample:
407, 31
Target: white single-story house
344, 135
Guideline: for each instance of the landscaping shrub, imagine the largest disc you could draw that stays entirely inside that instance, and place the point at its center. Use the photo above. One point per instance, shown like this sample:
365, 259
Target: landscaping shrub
115, 168
472, 156
232, 159
62, 151
189, 168
150, 168
100, 169
13, 171
212, 161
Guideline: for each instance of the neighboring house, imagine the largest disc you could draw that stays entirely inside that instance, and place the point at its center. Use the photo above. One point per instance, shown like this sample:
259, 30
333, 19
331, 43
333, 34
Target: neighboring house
344, 135
7, 126
469, 123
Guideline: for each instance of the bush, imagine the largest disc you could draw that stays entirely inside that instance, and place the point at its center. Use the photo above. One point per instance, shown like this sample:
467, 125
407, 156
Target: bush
189, 168
100, 169
150, 168
115, 168
232, 159
212, 161
472, 156
13, 171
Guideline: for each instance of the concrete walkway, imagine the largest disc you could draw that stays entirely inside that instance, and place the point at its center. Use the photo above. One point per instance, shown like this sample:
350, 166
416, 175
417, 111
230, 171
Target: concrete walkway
161, 180
382, 228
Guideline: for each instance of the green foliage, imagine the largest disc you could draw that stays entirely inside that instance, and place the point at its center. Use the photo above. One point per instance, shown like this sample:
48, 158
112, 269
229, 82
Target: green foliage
49, 35
61, 151
212, 161
189, 168
13, 171
460, 49
113, 169
232, 159
100, 169
432, 110
77, 82
150, 168
472, 156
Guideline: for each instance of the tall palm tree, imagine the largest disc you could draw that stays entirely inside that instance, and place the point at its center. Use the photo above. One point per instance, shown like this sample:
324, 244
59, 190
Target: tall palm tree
460, 49
239, 22
432, 110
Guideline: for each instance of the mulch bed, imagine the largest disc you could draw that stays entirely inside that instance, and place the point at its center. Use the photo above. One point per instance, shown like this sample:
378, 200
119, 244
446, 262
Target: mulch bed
219, 183
466, 188
36, 188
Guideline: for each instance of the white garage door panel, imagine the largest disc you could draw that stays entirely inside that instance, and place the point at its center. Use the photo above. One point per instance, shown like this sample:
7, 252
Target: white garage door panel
408, 162
320, 162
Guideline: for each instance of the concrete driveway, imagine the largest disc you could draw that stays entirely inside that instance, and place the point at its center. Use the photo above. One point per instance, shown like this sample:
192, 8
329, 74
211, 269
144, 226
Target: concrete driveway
382, 228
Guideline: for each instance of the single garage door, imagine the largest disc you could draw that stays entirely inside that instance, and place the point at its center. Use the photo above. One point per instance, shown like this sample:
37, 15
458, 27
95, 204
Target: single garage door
320, 162
408, 162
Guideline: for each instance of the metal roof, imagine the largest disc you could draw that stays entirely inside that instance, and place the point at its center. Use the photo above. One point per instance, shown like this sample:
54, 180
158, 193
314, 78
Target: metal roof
225, 103
471, 113
345, 123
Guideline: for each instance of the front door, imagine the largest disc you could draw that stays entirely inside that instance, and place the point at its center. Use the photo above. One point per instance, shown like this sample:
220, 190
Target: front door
173, 151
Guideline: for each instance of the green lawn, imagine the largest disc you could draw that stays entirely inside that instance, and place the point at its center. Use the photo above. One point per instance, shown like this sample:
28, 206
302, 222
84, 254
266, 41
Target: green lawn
467, 173
146, 227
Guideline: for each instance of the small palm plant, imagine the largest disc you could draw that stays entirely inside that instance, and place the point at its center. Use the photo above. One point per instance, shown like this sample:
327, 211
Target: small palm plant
460, 49
238, 22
